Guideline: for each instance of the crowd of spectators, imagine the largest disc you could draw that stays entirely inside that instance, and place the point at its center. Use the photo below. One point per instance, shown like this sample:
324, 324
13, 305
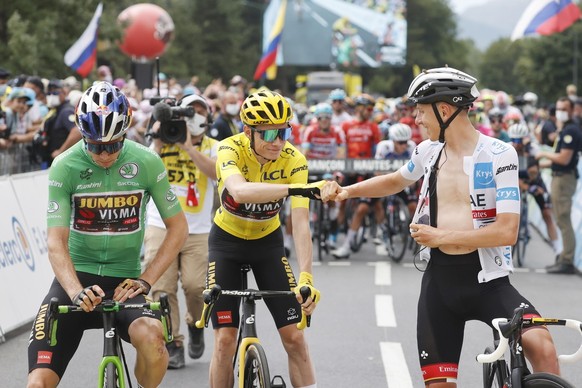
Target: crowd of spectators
37, 113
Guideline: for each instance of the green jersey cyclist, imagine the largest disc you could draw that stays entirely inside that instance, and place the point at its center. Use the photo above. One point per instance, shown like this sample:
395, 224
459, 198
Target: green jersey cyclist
98, 192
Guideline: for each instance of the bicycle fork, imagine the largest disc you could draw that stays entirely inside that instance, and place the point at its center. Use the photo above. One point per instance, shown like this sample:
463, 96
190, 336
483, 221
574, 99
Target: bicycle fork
110, 353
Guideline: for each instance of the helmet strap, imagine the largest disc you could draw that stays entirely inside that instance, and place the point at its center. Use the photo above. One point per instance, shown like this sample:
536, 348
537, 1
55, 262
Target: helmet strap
444, 125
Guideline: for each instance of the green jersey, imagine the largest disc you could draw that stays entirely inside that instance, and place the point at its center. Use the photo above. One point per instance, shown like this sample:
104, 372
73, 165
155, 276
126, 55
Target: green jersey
105, 207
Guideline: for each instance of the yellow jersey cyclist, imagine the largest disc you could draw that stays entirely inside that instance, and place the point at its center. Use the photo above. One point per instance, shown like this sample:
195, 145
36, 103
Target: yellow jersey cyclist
256, 170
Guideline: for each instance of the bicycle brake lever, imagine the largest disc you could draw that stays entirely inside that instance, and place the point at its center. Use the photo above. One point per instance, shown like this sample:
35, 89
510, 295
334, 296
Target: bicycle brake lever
210, 297
305, 319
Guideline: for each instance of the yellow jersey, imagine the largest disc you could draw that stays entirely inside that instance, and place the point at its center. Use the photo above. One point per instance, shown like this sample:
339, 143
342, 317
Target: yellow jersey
252, 221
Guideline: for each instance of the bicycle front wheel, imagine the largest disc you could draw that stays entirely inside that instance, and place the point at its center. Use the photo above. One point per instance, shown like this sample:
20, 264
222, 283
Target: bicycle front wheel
495, 373
545, 380
111, 379
256, 368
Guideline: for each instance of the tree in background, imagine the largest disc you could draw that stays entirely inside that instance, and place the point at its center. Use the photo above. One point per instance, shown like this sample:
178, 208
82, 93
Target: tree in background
221, 38
212, 39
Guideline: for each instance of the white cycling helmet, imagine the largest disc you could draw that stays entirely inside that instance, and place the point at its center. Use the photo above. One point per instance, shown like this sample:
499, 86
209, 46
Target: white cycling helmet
518, 131
103, 113
399, 132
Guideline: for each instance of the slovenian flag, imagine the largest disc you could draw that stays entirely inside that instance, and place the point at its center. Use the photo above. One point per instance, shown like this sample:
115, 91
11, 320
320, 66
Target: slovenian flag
546, 17
82, 55
268, 63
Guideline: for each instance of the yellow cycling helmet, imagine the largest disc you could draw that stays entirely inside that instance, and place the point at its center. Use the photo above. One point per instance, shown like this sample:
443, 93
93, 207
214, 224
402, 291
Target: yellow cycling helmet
265, 107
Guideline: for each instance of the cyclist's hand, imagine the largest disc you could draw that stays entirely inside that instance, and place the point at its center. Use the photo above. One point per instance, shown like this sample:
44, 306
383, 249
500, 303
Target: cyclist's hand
130, 288
306, 280
309, 190
332, 191
88, 298
426, 235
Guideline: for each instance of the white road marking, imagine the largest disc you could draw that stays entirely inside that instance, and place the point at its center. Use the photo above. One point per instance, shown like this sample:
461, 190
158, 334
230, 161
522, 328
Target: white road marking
340, 263
397, 374
319, 19
383, 275
385, 311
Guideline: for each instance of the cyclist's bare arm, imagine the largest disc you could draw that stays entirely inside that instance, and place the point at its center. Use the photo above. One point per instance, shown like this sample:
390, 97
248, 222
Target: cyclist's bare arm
63, 268
502, 232
254, 192
303, 247
376, 187
176, 235
302, 238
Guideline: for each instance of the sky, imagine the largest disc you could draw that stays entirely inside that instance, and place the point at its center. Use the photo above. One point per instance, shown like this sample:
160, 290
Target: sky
461, 5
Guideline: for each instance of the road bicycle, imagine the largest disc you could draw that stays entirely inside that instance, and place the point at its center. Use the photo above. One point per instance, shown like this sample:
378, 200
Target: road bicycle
111, 368
321, 224
515, 374
253, 368
523, 236
396, 227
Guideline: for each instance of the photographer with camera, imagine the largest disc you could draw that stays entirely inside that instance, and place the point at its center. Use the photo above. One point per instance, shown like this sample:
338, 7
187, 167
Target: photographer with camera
189, 156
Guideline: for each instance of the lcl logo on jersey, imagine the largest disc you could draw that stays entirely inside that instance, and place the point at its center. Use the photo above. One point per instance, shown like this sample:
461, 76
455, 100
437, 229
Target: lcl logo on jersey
274, 175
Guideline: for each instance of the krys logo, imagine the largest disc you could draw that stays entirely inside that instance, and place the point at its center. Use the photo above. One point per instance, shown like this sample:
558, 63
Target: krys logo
18, 249
483, 176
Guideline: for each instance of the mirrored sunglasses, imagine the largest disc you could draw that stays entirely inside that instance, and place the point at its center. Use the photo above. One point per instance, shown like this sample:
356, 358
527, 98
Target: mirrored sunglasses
98, 148
516, 140
270, 135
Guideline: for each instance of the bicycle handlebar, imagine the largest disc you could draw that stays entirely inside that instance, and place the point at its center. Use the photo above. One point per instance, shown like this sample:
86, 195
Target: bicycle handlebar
55, 309
500, 324
570, 358
501, 348
211, 296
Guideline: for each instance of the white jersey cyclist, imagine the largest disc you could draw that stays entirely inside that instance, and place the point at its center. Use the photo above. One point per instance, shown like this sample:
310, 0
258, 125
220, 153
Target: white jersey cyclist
493, 188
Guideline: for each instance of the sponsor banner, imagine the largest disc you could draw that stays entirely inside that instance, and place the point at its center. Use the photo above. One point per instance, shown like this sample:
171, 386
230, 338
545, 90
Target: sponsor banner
25, 273
319, 166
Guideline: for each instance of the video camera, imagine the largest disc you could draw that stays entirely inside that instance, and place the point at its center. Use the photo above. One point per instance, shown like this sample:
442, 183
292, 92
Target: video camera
171, 117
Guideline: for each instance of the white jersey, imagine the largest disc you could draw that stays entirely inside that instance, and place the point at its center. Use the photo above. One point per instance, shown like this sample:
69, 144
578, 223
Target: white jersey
493, 189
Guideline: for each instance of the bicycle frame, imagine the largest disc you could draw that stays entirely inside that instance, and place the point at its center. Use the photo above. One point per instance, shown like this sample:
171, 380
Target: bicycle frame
111, 341
523, 236
510, 337
247, 332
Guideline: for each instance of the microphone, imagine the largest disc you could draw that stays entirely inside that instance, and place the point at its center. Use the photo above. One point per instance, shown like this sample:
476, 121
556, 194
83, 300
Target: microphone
162, 112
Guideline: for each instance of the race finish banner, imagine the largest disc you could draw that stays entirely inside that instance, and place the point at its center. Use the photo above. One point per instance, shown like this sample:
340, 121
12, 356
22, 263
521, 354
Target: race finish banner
348, 166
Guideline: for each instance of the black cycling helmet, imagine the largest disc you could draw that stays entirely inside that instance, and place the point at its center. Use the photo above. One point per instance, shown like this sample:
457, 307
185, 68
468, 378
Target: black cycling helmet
443, 84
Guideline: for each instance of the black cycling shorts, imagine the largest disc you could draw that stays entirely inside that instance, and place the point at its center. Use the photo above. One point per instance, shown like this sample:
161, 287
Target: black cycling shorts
72, 325
270, 267
450, 296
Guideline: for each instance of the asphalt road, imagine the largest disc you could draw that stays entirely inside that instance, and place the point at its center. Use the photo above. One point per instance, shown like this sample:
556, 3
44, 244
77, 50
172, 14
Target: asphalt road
363, 333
